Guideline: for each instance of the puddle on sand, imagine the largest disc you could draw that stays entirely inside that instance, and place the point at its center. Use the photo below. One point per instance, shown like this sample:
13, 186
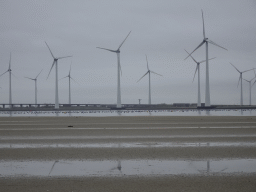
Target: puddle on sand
125, 145
121, 137
126, 128
124, 167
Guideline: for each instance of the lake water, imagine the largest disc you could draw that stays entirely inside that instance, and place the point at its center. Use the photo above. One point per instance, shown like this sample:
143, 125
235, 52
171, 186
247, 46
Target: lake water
102, 113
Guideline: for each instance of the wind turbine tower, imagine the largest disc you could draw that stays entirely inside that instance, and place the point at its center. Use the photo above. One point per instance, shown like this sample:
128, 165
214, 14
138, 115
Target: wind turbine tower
250, 90
198, 87
149, 86
35, 85
10, 81
241, 79
69, 87
55, 62
206, 41
118, 70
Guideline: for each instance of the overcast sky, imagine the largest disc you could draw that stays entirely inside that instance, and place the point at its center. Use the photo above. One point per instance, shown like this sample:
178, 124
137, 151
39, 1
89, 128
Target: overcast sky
161, 29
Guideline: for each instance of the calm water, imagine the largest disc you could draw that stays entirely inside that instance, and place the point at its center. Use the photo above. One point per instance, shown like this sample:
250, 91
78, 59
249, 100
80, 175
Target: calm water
102, 113
122, 145
125, 167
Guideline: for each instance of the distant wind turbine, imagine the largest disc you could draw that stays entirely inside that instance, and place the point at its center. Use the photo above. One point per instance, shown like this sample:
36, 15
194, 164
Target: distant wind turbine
69, 77
35, 79
206, 41
10, 80
250, 90
118, 70
149, 89
198, 87
55, 61
240, 78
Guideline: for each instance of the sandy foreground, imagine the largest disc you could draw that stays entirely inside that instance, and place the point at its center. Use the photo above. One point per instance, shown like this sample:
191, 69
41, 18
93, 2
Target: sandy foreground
206, 138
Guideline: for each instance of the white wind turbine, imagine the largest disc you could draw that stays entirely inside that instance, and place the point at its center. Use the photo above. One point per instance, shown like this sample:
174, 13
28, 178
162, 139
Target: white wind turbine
198, 87
55, 61
250, 89
240, 78
206, 41
118, 70
35, 79
69, 88
10, 80
149, 89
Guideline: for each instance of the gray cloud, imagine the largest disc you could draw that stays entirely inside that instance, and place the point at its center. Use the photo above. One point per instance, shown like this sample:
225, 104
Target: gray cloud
160, 29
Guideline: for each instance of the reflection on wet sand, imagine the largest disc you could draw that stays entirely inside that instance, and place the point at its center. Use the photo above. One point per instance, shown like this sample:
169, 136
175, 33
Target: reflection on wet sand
53, 167
124, 145
126, 150
118, 167
129, 167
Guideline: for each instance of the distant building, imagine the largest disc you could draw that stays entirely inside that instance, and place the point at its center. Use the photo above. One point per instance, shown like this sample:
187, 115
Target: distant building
181, 104
187, 104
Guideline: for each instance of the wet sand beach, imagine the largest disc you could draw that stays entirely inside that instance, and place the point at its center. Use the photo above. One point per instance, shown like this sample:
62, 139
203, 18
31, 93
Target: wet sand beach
146, 153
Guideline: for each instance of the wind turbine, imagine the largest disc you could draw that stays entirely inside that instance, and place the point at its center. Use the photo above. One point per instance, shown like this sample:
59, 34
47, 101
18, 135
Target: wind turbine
149, 89
118, 70
198, 87
69, 77
250, 89
35, 85
10, 81
55, 62
240, 78
206, 41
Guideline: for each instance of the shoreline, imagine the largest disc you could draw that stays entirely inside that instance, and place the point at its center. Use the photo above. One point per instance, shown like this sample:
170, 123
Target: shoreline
143, 108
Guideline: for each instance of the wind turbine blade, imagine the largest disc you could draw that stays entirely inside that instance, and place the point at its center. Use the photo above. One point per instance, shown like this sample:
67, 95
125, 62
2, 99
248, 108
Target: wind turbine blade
13, 75
4, 73
147, 62
253, 83
143, 76
156, 73
49, 50
203, 23
124, 40
39, 74
10, 60
190, 56
247, 70
216, 44
63, 57
70, 69
195, 73
239, 80
63, 78
51, 68
29, 78
246, 80
74, 80
208, 60
252, 78
195, 49
235, 68
106, 49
